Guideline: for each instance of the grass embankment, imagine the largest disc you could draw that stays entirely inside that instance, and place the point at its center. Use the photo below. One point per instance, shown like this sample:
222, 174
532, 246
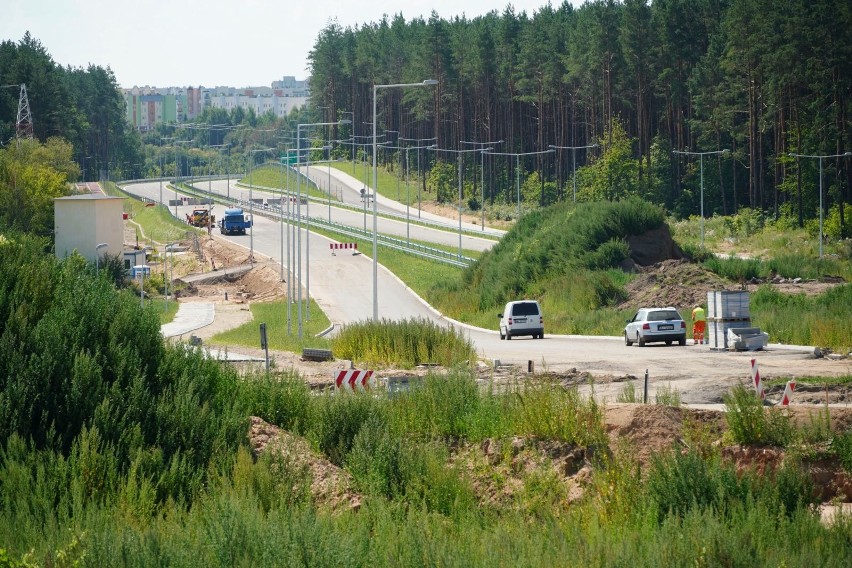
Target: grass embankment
274, 315
135, 452
276, 177
157, 224
562, 256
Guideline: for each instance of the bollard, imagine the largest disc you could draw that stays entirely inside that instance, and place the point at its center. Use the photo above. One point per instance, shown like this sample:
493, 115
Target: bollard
645, 391
530, 366
226, 296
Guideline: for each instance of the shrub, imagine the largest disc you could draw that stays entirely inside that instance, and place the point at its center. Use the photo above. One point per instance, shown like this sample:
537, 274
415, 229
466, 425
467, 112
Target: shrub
841, 445
407, 343
627, 394
751, 424
667, 395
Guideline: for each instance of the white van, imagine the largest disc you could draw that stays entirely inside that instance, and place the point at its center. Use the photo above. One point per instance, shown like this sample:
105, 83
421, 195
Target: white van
521, 318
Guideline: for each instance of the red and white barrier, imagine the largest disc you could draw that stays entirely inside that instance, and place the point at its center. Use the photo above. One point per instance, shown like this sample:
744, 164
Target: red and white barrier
788, 393
342, 246
755, 379
354, 379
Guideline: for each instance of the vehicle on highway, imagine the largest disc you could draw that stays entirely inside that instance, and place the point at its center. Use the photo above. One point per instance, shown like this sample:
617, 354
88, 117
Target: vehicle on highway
651, 325
522, 317
234, 222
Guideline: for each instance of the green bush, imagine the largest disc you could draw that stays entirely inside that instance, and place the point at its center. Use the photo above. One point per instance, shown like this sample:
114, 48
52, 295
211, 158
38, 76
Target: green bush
335, 421
821, 320
841, 445
406, 343
750, 423
736, 269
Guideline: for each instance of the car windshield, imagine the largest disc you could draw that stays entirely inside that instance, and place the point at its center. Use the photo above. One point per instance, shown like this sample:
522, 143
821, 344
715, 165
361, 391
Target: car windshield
663, 315
525, 309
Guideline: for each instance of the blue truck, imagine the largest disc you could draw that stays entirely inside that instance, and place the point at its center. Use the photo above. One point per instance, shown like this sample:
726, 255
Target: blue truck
234, 222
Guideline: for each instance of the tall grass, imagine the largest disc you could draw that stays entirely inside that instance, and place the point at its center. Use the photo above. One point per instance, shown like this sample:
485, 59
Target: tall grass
805, 320
407, 343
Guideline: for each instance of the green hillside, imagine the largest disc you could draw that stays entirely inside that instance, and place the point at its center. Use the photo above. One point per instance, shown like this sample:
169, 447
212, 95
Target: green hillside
564, 256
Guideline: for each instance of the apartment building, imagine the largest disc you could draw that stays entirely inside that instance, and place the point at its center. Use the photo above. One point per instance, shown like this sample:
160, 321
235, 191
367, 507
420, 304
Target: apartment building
149, 106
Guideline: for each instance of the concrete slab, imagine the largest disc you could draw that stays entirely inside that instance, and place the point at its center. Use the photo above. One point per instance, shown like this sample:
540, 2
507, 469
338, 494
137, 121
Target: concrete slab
190, 316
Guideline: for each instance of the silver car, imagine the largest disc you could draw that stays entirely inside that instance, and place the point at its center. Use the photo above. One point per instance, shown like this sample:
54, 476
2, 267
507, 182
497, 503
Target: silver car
655, 325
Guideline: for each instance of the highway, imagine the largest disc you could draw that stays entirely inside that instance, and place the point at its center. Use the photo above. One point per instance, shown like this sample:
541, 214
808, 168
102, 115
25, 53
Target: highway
342, 286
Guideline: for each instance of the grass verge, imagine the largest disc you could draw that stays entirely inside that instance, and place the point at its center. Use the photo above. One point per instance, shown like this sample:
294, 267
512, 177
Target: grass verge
274, 315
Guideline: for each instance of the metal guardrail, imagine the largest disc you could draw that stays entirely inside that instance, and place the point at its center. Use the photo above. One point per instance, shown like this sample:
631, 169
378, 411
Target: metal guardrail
389, 214
277, 212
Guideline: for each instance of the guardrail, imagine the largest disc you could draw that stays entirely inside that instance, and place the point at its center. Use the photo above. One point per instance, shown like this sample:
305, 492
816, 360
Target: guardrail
277, 212
450, 227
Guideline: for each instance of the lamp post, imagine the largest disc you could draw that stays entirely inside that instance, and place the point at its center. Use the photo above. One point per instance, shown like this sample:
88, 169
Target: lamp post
170, 251
98, 247
407, 187
518, 168
419, 141
376, 88
344, 112
163, 139
820, 158
251, 203
482, 170
573, 162
177, 178
299, 209
460, 153
701, 162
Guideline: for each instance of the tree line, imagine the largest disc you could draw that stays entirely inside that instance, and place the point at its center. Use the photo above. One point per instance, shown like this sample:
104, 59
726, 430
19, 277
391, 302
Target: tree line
83, 106
761, 78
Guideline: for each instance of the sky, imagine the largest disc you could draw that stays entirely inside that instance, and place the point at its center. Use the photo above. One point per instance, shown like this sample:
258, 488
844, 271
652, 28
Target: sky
236, 43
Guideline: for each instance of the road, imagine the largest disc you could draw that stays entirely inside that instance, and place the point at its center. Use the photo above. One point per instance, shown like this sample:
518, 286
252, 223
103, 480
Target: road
342, 285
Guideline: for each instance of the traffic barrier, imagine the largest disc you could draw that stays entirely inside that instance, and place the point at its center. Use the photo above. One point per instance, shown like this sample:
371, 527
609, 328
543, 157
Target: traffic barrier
755, 379
354, 379
788, 393
342, 246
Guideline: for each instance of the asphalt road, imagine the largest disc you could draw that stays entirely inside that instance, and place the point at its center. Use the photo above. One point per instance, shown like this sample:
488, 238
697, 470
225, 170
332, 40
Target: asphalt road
342, 285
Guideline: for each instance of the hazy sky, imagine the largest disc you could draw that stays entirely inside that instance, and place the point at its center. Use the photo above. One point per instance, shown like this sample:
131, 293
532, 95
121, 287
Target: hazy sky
238, 43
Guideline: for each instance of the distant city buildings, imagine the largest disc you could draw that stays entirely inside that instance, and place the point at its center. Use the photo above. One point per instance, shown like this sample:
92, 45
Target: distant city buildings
149, 106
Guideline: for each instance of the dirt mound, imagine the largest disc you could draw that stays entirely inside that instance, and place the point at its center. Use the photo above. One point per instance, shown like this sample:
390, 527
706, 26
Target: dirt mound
677, 283
653, 246
330, 486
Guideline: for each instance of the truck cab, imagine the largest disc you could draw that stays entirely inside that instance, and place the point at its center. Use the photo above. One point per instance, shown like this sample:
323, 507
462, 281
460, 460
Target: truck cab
234, 222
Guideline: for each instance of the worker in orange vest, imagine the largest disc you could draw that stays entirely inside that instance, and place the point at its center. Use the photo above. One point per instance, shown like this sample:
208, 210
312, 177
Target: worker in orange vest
698, 324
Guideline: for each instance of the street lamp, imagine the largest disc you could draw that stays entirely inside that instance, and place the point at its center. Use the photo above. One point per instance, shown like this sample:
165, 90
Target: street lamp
98, 247
459, 152
425, 83
820, 158
419, 140
251, 203
170, 249
344, 112
573, 161
299, 213
407, 186
518, 168
482, 170
701, 162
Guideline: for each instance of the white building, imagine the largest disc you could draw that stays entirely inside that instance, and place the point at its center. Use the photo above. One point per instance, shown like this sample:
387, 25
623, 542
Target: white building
82, 222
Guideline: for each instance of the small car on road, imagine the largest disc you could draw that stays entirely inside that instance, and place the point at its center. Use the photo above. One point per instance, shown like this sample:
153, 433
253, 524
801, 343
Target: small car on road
521, 318
655, 325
